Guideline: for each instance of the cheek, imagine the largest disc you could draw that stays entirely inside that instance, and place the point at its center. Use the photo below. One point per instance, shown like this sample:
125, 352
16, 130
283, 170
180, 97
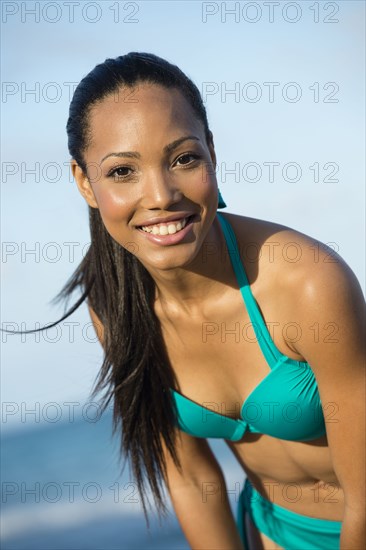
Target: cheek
115, 214
112, 208
203, 184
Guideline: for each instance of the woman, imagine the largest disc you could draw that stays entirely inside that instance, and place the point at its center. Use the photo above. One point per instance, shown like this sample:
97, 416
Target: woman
201, 340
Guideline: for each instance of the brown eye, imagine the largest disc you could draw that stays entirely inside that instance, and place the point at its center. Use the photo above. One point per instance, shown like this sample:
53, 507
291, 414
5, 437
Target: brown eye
187, 156
119, 172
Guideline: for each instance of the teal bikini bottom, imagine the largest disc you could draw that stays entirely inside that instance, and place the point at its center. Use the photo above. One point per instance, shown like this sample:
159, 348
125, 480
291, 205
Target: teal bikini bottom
290, 530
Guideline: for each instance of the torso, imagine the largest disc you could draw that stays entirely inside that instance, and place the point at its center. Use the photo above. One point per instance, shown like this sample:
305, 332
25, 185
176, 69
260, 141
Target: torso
222, 369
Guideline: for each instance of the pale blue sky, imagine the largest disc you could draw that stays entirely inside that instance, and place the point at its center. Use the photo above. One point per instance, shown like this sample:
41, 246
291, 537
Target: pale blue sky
325, 58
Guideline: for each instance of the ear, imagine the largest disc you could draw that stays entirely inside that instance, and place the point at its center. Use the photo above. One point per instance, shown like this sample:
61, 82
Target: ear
211, 148
83, 184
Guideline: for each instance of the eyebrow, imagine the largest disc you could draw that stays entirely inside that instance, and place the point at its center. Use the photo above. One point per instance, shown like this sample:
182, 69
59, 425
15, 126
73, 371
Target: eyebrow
167, 149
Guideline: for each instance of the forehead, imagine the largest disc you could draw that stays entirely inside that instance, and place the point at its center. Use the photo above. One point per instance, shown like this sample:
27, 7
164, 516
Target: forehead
133, 116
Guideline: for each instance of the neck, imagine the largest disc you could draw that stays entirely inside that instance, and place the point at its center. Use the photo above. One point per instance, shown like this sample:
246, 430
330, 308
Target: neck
184, 291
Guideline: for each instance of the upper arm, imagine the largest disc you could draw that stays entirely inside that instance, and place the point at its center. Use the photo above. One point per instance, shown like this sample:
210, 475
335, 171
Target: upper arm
98, 326
331, 310
198, 462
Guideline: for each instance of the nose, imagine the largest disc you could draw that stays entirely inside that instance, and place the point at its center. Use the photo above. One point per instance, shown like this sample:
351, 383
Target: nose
160, 191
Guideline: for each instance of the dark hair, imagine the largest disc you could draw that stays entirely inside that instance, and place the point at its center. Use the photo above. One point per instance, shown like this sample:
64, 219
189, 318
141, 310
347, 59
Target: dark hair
136, 369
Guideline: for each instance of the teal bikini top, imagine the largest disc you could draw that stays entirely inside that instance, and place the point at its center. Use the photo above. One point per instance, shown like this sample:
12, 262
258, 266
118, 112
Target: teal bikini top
285, 405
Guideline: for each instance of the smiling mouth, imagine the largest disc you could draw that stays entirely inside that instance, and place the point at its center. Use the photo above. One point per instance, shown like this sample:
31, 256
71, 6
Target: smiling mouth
169, 228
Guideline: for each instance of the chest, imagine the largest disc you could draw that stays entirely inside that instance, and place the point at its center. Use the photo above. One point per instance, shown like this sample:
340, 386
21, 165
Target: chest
216, 355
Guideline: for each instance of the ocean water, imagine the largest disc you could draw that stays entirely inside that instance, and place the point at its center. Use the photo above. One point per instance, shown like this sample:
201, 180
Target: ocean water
62, 488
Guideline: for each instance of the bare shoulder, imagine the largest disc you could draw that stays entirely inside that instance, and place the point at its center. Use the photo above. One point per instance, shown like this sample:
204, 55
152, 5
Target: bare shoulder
292, 258
277, 243
297, 277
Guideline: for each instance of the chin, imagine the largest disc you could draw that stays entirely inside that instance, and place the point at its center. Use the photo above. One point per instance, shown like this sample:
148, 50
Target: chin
166, 260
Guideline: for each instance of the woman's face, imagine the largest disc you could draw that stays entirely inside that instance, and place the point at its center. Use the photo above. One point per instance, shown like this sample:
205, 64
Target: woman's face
148, 159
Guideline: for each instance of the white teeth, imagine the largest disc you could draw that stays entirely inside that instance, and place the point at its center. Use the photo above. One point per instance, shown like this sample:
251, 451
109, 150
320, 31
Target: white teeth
170, 229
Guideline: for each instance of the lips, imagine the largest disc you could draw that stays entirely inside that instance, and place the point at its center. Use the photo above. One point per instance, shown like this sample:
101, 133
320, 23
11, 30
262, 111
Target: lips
178, 224
169, 239
167, 219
